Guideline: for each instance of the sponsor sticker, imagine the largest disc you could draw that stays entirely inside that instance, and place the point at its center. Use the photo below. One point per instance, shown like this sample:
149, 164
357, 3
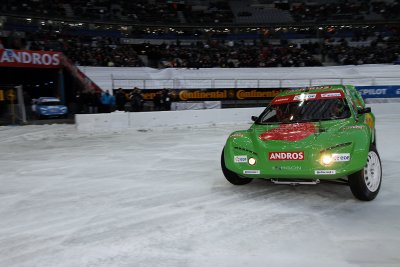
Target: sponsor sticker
294, 155
341, 157
353, 127
287, 168
251, 171
317, 87
331, 95
304, 97
240, 159
325, 172
280, 99
236, 135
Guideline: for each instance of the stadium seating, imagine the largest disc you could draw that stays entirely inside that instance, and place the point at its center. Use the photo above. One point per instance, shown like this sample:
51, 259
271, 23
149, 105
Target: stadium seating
164, 34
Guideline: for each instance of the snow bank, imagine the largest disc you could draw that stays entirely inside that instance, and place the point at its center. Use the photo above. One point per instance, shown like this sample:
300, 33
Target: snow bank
118, 121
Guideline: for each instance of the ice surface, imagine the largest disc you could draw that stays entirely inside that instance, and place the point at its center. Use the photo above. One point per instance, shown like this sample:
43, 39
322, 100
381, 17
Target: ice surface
158, 198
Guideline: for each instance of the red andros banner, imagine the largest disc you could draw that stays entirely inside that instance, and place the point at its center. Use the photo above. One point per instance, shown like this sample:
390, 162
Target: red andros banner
29, 59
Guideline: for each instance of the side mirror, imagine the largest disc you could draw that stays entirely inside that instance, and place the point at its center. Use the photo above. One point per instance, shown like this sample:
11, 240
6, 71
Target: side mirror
254, 118
364, 110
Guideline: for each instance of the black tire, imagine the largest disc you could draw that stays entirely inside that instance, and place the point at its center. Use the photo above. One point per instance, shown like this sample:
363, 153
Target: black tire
232, 177
366, 183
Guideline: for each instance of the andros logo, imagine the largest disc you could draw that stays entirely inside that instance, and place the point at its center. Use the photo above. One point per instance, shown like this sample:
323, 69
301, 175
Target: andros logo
297, 155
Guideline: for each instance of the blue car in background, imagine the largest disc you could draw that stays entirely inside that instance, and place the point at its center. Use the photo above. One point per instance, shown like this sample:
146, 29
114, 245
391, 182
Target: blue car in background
46, 107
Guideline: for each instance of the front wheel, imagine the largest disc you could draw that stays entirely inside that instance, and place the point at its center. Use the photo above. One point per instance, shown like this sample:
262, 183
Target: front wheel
232, 177
365, 184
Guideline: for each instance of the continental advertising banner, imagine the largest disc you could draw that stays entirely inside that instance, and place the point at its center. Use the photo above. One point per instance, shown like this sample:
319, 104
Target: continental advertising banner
29, 59
213, 94
226, 94
390, 91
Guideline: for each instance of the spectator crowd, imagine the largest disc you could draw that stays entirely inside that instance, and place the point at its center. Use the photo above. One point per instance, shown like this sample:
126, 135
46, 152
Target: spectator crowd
85, 47
138, 11
121, 100
199, 12
109, 51
345, 10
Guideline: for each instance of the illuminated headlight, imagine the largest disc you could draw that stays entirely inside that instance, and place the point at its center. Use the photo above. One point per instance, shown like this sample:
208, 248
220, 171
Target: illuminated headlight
326, 159
252, 161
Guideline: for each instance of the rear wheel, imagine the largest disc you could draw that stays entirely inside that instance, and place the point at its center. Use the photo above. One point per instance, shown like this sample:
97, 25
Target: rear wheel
365, 184
232, 177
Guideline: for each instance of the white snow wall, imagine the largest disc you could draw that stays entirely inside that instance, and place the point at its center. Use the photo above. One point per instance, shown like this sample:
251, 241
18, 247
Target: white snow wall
376, 74
119, 121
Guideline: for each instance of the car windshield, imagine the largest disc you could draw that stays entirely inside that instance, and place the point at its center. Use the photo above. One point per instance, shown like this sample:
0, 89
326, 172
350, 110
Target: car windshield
50, 103
305, 111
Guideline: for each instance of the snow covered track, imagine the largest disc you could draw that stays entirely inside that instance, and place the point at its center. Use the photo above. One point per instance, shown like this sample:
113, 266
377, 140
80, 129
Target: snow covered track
158, 198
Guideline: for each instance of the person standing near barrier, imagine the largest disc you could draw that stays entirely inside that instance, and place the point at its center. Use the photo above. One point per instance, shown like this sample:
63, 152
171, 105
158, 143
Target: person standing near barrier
120, 99
92, 102
106, 102
136, 99
28, 105
157, 101
166, 99
97, 102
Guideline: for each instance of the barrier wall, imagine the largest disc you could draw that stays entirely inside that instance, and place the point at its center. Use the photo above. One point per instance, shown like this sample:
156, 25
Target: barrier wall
119, 121
389, 91
109, 78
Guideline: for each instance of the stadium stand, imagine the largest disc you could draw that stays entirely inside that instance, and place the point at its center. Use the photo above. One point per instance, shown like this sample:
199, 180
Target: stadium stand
258, 13
203, 33
206, 11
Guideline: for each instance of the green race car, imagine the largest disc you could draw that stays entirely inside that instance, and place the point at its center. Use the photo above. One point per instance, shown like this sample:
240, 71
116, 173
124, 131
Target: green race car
306, 136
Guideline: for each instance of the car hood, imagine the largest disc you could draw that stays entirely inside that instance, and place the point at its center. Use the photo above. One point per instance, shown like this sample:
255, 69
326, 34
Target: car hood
315, 135
289, 132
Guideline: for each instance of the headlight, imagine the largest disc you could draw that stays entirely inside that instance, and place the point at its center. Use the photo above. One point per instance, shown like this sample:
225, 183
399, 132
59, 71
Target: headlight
252, 161
326, 159
43, 108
